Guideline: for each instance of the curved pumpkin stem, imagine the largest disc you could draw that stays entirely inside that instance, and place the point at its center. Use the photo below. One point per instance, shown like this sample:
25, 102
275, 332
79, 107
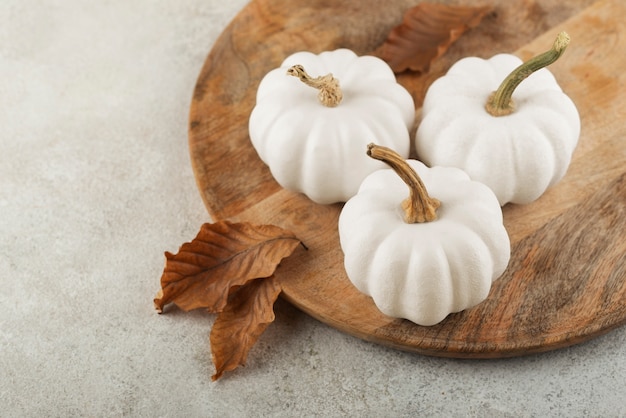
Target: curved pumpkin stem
329, 91
500, 103
419, 206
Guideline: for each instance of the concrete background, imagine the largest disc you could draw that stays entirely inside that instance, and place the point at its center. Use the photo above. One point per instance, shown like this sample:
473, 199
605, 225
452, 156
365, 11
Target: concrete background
96, 183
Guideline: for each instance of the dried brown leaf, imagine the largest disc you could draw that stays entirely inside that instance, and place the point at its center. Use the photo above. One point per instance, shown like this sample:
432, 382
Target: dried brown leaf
222, 257
238, 327
426, 32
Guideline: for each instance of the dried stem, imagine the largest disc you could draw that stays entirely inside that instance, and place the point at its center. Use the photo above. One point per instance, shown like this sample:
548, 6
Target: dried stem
329, 91
500, 103
418, 207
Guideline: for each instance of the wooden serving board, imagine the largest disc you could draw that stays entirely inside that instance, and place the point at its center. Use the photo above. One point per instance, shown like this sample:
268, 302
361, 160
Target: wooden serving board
566, 281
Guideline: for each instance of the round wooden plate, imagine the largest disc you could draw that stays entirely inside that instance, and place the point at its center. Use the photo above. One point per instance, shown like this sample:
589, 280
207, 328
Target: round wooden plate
566, 279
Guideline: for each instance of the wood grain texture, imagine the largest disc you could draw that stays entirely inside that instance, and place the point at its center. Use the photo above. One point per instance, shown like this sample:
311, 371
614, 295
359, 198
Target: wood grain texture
566, 279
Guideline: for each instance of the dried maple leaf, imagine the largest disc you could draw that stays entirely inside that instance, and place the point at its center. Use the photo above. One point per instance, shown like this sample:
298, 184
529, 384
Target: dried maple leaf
238, 327
426, 32
223, 256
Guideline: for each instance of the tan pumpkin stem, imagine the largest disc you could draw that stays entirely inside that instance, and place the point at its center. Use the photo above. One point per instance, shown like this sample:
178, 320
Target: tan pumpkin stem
419, 206
329, 91
500, 103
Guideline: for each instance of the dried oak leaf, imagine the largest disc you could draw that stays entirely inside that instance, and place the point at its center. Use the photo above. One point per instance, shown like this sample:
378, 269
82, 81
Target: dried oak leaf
222, 257
238, 327
426, 32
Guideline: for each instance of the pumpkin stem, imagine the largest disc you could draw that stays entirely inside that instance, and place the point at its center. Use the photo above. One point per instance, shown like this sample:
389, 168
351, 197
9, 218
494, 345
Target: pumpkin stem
418, 207
500, 103
329, 91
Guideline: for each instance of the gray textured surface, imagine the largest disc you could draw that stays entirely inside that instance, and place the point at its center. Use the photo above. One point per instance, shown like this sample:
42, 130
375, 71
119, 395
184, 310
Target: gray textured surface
95, 183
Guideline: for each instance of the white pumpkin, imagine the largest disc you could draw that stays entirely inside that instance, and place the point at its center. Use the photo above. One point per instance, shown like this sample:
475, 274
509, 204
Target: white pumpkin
519, 149
311, 147
435, 263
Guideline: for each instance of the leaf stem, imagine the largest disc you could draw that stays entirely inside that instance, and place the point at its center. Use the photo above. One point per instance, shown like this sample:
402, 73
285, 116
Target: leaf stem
500, 103
330, 94
419, 206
